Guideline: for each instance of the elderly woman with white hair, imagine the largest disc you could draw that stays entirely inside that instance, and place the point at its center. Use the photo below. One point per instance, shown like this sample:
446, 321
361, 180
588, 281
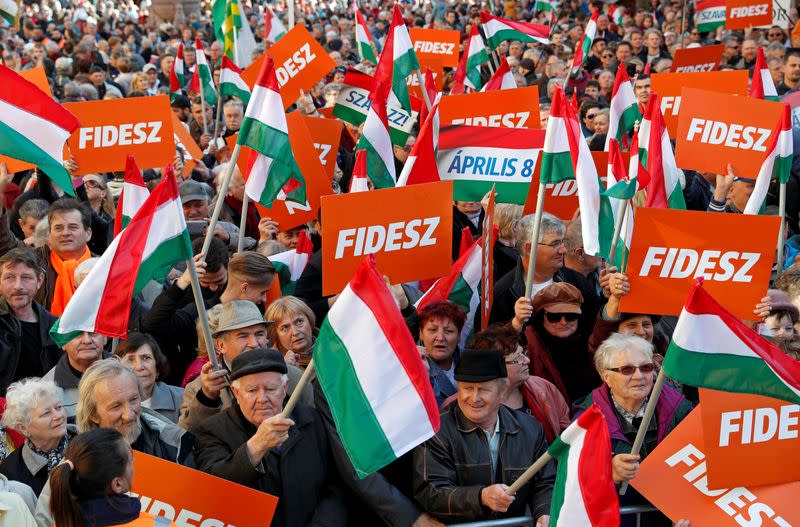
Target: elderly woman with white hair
625, 363
34, 408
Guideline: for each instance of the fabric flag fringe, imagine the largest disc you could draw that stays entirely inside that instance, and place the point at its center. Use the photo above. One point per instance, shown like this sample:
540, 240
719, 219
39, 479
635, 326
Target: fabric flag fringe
380, 397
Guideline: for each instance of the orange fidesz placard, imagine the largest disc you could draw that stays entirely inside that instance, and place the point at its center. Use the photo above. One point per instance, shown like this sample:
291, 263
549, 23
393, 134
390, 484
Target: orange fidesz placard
715, 129
326, 134
436, 45
185, 495
515, 108
668, 86
112, 129
704, 58
300, 62
750, 440
674, 478
408, 229
742, 14
670, 248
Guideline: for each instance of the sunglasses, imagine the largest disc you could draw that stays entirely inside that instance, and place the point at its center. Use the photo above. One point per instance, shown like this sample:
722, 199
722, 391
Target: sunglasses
629, 369
557, 317
591, 115
607, 55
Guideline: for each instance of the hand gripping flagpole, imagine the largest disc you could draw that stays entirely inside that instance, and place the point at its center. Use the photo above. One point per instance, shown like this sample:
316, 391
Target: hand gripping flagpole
222, 191
648, 415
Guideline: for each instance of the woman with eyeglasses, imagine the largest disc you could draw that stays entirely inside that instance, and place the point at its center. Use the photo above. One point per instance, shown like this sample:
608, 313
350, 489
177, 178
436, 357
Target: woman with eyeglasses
625, 363
556, 347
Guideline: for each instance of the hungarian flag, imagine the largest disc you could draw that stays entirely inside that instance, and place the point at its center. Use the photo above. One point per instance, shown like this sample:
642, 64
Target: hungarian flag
177, 75
9, 11
420, 167
548, 8
502, 79
380, 397
624, 111
566, 155
461, 287
619, 190
499, 29
274, 28
777, 163
134, 194
34, 127
363, 40
655, 154
711, 348
271, 167
616, 14
468, 74
762, 85
359, 181
709, 15
154, 240
398, 61
231, 83
202, 79
376, 142
289, 265
582, 52
584, 494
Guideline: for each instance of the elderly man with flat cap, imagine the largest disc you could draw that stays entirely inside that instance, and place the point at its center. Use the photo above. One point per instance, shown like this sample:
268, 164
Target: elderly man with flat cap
462, 473
252, 444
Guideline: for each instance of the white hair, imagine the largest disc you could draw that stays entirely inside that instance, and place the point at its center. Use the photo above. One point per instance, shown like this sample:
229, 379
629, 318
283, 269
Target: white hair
284, 380
619, 343
23, 396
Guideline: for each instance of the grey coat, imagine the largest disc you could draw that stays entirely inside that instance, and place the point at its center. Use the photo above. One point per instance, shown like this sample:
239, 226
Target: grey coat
165, 400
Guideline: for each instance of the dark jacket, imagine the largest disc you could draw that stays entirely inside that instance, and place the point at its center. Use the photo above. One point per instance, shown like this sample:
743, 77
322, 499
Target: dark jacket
300, 473
11, 345
461, 220
698, 192
164, 439
28, 467
454, 466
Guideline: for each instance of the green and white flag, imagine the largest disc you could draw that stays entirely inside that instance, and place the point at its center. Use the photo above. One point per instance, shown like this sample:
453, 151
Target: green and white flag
624, 110
709, 15
231, 83
499, 29
9, 11
398, 61
582, 53
202, 79
379, 394
777, 163
711, 348
289, 265
377, 143
274, 27
272, 167
364, 41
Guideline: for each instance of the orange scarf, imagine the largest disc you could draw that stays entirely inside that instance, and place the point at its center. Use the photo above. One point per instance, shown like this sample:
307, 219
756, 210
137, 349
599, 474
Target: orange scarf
65, 283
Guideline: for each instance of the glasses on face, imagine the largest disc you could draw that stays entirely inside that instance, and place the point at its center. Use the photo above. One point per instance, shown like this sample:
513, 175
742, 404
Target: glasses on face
591, 115
557, 317
91, 184
607, 55
554, 244
630, 369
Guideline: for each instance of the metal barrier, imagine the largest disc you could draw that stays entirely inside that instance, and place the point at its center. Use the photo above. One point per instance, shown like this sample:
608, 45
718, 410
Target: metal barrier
526, 521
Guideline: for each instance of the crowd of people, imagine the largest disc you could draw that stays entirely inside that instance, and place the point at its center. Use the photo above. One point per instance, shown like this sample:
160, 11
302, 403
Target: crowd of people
73, 414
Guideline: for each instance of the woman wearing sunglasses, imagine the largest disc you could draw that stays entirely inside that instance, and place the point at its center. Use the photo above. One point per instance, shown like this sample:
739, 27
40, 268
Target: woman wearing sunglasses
555, 344
625, 363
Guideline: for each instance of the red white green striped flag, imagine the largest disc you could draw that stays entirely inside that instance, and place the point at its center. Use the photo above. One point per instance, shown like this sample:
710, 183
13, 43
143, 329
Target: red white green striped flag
274, 28
202, 79
566, 155
499, 29
624, 110
762, 85
289, 265
582, 52
656, 155
624, 191
584, 494
366, 49
231, 83
380, 396
502, 79
177, 74
359, 181
376, 142
711, 348
272, 166
398, 61
616, 14
420, 167
9, 11
709, 15
468, 74
34, 127
145, 250
134, 194
461, 287
777, 163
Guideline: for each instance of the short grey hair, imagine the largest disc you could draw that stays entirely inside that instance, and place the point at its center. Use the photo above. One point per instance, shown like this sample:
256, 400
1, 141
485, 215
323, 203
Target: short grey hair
232, 103
36, 208
523, 233
23, 396
99, 371
617, 343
